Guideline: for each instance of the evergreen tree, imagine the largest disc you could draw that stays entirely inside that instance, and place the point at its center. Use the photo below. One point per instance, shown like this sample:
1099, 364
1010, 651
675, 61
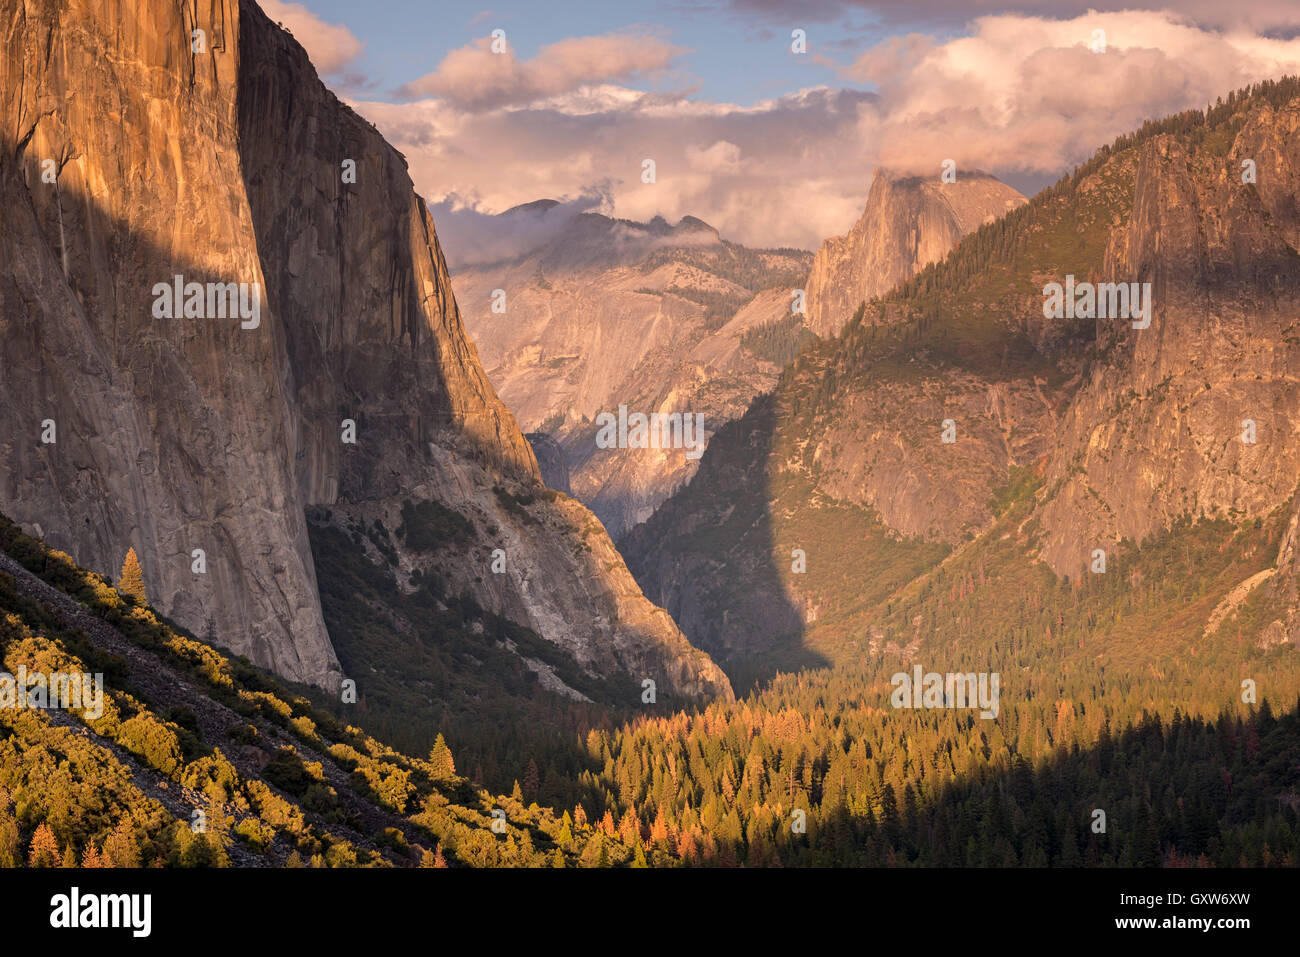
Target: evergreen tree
44, 849
90, 856
131, 581
441, 758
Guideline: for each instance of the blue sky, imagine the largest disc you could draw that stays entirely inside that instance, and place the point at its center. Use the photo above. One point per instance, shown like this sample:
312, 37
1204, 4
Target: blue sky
735, 56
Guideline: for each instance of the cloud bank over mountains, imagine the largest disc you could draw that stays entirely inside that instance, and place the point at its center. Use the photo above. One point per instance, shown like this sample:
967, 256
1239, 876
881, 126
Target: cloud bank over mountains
1020, 95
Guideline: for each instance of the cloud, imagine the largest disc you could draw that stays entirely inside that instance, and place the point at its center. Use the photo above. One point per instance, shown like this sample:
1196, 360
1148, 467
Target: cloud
330, 46
1020, 96
475, 77
1028, 93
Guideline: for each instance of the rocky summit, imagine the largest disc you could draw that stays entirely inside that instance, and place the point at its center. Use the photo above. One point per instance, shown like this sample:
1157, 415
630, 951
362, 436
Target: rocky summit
909, 221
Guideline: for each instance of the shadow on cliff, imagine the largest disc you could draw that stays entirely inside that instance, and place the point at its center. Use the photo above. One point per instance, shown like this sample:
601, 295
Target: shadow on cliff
77, 311
710, 555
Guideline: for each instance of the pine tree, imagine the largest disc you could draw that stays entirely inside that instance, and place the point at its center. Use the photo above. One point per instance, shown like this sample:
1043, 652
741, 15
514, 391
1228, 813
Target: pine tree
532, 779
131, 581
44, 849
444, 765
121, 850
11, 852
217, 834
90, 856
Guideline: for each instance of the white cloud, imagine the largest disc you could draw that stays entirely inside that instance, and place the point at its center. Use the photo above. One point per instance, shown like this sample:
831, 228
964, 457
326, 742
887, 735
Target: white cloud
330, 46
1027, 93
476, 77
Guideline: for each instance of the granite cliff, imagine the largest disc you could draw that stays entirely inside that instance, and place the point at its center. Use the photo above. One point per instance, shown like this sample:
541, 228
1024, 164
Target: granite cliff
909, 222
606, 312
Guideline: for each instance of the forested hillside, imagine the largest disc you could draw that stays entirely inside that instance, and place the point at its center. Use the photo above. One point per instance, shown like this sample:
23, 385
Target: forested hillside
283, 782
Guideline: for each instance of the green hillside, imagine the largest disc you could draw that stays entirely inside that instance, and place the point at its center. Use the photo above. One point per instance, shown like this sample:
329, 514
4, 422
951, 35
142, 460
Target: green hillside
185, 727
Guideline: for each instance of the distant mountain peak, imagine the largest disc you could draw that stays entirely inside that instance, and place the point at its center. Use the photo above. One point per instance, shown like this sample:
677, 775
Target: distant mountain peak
909, 221
694, 224
536, 206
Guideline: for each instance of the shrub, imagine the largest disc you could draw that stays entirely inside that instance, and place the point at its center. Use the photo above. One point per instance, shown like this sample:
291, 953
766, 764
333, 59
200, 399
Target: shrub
152, 741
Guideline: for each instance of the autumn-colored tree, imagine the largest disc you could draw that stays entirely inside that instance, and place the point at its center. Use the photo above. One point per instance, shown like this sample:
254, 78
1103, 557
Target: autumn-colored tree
11, 852
686, 848
629, 829
444, 766
44, 849
121, 849
132, 579
659, 830
90, 856
438, 859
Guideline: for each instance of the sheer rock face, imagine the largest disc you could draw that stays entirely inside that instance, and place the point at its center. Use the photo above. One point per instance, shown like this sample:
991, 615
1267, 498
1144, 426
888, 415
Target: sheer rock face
884, 448
1161, 429
609, 312
908, 222
194, 433
171, 434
